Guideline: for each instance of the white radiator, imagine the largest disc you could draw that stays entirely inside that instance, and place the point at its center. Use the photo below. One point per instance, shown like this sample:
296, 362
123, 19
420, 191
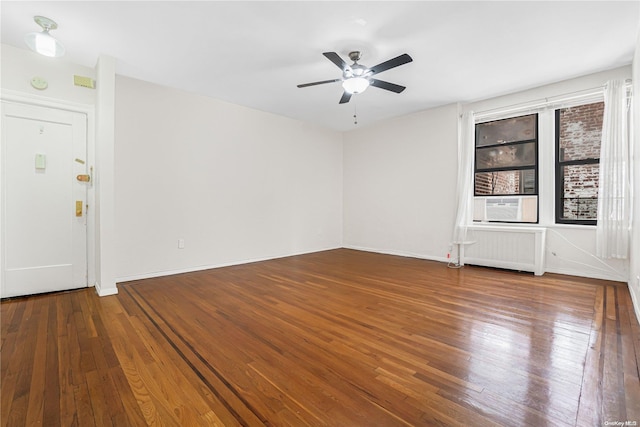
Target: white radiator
514, 248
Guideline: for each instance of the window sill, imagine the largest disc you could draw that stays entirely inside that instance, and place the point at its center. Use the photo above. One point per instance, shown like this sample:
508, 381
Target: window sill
516, 225
513, 226
572, 226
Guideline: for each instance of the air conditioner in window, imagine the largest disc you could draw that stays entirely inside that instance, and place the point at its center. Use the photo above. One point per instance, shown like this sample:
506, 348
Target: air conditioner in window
503, 209
506, 209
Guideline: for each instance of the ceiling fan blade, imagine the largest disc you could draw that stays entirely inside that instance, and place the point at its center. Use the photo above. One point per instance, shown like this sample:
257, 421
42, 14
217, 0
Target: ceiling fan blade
392, 63
319, 83
335, 58
386, 85
346, 96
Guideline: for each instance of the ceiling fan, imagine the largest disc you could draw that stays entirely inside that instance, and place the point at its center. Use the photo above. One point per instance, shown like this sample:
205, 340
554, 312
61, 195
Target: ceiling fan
357, 78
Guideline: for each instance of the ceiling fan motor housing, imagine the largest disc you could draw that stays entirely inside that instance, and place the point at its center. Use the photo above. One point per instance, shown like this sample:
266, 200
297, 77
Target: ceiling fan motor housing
355, 55
355, 70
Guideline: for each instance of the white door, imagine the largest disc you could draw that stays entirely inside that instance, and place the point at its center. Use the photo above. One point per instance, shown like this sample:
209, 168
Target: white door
44, 203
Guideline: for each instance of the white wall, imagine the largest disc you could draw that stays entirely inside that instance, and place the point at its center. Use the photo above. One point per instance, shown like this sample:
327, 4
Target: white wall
634, 277
570, 249
19, 66
235, 183
399, 184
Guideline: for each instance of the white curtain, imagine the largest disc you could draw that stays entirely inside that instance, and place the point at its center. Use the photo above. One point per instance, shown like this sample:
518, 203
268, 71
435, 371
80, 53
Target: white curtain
614, 198
464, 188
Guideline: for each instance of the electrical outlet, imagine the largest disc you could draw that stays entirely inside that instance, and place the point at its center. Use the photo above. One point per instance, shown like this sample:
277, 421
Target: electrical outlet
180, 243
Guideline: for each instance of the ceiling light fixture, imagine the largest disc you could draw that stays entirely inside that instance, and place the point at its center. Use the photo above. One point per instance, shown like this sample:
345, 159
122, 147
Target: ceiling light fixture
354, 76
355, 84
43, 42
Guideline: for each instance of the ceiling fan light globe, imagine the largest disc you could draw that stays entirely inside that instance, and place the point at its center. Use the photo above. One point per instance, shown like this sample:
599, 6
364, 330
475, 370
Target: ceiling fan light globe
355, 85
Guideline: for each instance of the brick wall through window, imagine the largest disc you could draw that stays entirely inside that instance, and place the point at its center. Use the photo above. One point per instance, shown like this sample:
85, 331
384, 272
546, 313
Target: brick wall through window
580, 133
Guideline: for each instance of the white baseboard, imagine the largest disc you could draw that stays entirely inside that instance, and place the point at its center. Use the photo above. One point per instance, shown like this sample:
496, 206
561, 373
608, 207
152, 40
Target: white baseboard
590, 275
151, 275
635, 299
397, 253
103, 292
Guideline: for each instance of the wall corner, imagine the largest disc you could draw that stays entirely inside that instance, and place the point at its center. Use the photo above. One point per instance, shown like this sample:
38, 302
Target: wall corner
105, 176
634, 264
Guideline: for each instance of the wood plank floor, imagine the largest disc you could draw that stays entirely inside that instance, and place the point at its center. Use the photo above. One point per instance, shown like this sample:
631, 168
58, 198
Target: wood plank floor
336, 338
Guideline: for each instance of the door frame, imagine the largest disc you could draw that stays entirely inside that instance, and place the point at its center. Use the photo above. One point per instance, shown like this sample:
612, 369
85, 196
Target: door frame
89, 111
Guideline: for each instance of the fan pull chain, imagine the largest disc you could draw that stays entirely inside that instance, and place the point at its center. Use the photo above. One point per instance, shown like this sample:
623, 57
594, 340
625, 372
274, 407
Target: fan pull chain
355, 114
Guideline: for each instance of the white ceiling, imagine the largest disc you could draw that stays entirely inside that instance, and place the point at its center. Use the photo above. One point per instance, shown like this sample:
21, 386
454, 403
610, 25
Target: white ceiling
255, 53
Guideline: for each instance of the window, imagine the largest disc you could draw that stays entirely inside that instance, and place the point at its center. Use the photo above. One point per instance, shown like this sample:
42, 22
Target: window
578, 136
506, 157
506, 164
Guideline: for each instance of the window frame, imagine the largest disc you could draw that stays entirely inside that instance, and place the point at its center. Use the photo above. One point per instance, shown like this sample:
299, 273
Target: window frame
559, 178
535, 167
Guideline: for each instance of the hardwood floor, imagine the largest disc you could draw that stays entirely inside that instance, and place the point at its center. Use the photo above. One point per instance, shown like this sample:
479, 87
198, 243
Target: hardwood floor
336, 338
